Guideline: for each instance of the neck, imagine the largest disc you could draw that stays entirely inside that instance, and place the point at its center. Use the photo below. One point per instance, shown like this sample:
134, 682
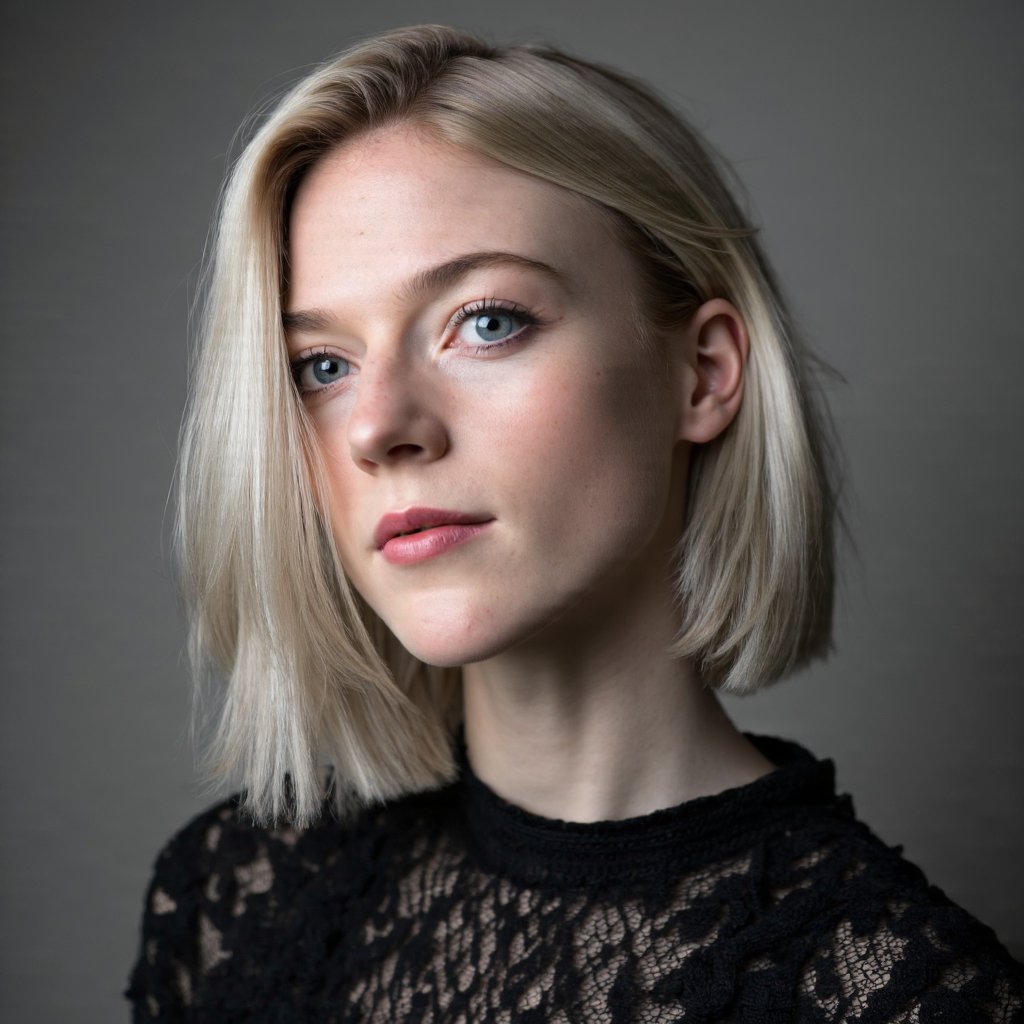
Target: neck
603, 727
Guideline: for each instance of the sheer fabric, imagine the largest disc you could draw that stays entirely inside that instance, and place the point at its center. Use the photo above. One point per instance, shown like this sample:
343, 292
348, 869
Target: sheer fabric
768, 902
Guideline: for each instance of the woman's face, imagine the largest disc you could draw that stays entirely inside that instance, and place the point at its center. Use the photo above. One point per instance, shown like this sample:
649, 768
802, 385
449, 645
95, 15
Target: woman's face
462, 336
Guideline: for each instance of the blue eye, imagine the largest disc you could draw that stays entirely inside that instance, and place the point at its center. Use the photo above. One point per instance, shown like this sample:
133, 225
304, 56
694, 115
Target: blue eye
327, 369
494, 325
317, 372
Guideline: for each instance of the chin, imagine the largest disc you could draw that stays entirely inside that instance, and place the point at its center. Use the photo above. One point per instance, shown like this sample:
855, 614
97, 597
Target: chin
450, 634
449, 650
451, 628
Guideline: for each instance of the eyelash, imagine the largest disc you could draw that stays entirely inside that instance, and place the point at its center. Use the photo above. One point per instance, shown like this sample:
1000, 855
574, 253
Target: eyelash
492, 305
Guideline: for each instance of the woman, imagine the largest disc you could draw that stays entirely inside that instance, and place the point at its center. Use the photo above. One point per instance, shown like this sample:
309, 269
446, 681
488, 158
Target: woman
501, 460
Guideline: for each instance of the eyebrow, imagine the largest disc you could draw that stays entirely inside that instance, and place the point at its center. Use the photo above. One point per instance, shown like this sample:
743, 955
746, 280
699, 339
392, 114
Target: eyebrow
433, 279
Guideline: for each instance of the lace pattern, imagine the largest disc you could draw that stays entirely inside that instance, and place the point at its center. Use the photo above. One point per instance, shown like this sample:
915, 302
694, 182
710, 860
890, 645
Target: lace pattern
770, 902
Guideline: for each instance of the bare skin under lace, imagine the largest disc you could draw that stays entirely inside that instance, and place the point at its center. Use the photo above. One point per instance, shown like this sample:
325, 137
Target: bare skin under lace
768, 902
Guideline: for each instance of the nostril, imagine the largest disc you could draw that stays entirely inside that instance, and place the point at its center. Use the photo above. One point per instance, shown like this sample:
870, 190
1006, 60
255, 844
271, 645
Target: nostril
404, 449
383, 432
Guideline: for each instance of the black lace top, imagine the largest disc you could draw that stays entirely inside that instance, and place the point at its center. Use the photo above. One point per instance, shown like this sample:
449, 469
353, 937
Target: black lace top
767, 902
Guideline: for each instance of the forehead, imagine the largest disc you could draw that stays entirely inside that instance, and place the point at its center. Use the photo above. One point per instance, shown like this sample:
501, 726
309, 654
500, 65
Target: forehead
379, 208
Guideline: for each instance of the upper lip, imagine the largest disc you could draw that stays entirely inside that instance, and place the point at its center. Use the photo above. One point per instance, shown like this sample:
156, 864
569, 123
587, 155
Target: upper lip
395, 523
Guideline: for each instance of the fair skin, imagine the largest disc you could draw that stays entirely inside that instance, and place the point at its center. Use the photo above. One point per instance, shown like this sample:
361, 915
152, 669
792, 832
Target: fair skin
567, 440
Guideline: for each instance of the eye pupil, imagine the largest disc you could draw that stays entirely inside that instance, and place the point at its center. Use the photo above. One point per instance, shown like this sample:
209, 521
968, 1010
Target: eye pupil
493, 327
327, 370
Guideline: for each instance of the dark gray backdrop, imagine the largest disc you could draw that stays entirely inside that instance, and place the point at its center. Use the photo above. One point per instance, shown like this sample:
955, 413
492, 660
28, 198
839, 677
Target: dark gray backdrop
881, 146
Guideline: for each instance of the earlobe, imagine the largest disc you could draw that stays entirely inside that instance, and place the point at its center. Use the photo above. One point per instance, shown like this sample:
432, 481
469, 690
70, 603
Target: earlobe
715, 351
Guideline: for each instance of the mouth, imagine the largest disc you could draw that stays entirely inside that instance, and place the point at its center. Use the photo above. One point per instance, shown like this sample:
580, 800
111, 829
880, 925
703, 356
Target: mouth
416, 520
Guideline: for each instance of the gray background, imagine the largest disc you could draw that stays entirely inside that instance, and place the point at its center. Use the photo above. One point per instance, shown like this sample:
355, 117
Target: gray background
881, 146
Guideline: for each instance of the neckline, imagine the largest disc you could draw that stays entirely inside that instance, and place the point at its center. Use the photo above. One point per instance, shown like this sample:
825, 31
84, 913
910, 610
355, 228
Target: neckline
534, 848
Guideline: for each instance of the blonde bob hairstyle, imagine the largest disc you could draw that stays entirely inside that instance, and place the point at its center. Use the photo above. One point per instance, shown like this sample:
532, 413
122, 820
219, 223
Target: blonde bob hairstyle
319, 696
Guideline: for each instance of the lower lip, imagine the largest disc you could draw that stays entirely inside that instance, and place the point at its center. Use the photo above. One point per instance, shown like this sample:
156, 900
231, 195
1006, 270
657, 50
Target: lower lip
418, 547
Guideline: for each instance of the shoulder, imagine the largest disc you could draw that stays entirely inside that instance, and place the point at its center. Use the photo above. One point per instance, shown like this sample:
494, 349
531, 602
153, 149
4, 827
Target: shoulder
890, 946
221, 886
218, 850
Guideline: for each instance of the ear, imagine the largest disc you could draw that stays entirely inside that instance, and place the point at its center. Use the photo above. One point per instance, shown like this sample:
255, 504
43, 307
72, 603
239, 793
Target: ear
713, 358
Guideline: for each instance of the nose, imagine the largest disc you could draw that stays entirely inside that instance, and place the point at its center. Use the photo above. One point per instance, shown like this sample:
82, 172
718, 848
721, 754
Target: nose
397, 417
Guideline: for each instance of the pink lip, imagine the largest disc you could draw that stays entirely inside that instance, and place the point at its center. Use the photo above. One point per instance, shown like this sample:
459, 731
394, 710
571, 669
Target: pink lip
441, 530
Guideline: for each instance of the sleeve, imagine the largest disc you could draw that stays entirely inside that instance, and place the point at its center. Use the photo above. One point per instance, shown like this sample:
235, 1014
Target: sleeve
913, 958
951, 965
178, 941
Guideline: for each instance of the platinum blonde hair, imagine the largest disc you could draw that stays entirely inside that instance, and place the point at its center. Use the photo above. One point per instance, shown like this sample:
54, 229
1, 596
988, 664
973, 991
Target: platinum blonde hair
313, 679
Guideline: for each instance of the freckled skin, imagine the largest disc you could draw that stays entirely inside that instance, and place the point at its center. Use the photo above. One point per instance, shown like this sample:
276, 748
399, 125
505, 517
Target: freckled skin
568, 438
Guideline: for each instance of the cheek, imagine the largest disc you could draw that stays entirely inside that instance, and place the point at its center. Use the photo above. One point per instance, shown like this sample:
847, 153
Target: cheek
343, 488
587, 447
